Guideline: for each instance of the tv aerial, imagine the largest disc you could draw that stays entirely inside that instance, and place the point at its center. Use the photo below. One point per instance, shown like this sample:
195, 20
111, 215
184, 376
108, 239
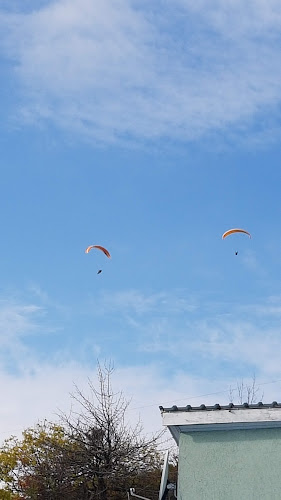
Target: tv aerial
165, 485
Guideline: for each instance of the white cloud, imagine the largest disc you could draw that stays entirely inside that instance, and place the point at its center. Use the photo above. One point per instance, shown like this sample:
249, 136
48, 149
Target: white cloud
134, 301
193, 355
46, 392
17, 320
226, 346
111, 71
203, 334
234, 17
223, 338
25, 323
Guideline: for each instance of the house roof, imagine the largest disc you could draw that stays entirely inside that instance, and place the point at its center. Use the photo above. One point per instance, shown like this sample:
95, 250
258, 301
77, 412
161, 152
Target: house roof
189, 419
217, 406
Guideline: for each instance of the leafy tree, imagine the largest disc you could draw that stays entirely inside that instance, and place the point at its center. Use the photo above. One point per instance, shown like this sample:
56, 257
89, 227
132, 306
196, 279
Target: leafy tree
39, 465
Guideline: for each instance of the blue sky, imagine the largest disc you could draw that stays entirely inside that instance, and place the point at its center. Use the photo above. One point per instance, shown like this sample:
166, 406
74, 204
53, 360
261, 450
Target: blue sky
151, 130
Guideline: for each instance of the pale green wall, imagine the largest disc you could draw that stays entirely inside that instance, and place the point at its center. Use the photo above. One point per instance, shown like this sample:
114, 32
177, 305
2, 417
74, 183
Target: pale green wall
228, 465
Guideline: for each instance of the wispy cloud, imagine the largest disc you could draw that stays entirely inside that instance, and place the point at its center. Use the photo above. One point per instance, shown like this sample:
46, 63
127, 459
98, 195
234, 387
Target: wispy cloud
137, 302
17, 319
112, 71
224, 337
26, 321
239, 343
233, 18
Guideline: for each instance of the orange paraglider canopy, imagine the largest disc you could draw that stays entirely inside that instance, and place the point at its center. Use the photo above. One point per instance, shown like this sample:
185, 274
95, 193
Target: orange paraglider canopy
106, 252
235, 230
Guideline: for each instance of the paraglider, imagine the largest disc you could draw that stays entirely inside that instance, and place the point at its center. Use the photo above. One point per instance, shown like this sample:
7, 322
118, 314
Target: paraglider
236, 230
104, 250
233, 231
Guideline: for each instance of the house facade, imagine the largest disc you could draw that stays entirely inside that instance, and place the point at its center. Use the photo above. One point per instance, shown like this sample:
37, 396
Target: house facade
227, 452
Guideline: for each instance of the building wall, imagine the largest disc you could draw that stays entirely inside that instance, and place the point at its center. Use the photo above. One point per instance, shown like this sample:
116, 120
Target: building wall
228, 465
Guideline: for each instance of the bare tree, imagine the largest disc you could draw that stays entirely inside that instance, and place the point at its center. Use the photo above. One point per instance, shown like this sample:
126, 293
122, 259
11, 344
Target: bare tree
246, 393
110, 452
